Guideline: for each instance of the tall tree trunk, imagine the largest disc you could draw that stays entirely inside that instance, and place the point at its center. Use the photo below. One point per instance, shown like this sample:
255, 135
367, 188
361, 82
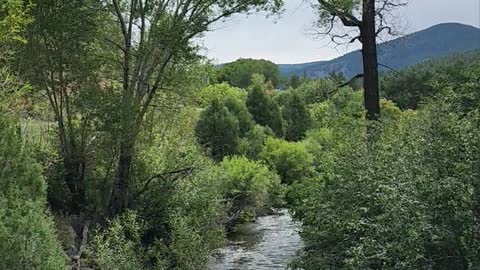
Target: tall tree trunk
119, 199
74, 177
74, 166
370, 62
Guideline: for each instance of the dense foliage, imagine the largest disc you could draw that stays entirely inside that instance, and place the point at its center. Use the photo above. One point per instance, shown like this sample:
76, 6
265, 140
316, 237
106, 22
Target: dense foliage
119, 149
263, 107
27, 233
416, 84
315, 91
406, 201
251, 186
240, 72
296, 116
291, 160
221, 92
217, 131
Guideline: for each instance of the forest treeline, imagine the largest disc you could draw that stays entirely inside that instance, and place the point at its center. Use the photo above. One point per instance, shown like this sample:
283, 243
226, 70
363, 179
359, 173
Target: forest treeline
122, 148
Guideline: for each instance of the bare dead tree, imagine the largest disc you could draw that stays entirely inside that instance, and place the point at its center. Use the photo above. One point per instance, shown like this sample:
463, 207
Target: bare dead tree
348, 21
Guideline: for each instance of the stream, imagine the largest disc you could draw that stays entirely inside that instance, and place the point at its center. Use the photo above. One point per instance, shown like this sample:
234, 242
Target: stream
269, 243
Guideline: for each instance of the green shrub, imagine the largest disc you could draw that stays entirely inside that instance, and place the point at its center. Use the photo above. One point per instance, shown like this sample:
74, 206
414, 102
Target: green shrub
250, 186
118, 246
290, 160
27, 234
195, 213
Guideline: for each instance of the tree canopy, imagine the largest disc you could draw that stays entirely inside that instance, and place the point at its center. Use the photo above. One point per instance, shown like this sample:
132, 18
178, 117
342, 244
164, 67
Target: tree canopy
240, 72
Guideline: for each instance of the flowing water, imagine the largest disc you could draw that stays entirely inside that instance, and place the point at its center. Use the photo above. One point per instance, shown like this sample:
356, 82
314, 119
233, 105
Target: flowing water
269, 243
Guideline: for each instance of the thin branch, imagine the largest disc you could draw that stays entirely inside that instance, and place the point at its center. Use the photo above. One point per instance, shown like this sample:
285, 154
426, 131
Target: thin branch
358, 76
115, 44
390, 68
120, 17
162, 176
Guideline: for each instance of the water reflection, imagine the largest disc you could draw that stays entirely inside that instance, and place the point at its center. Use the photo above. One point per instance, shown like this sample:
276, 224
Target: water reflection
269, 243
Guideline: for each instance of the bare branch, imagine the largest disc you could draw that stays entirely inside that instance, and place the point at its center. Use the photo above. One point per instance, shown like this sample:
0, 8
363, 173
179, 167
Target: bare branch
115, 44
162, 176
358, 76
120, 17
390, 68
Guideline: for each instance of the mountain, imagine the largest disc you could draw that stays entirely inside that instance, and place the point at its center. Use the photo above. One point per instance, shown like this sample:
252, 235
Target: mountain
436, 41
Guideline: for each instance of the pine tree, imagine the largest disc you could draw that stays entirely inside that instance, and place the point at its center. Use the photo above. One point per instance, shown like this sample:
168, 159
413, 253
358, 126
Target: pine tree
240, 111
257, 104
218, 131
275, 120
297, 118
264, 109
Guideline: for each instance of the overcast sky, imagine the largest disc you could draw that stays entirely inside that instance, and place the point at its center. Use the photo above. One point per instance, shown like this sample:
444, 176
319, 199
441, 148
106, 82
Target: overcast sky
287, 40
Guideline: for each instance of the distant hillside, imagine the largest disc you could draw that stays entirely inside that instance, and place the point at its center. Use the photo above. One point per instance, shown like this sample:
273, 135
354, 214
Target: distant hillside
436, 41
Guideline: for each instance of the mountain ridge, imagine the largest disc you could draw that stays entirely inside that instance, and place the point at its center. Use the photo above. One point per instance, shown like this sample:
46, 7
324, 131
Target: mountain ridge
436, 41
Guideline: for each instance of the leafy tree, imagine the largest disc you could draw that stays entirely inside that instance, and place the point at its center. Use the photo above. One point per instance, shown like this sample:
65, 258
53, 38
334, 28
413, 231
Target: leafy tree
240, 72
275, 121
290, 160
218, 131
264, 109
252, 143
294, 81
60, 60
27, 232
369, 18
14, 17
182, 226
282, 96
233, 98
155, 41
221, 92
315, 91
257, 103
240, 111
297, 118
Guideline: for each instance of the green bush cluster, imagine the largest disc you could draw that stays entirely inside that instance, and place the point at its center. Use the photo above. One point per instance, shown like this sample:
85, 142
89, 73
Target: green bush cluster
250, 186
290, 160
407, 200
27, 234
411, 87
